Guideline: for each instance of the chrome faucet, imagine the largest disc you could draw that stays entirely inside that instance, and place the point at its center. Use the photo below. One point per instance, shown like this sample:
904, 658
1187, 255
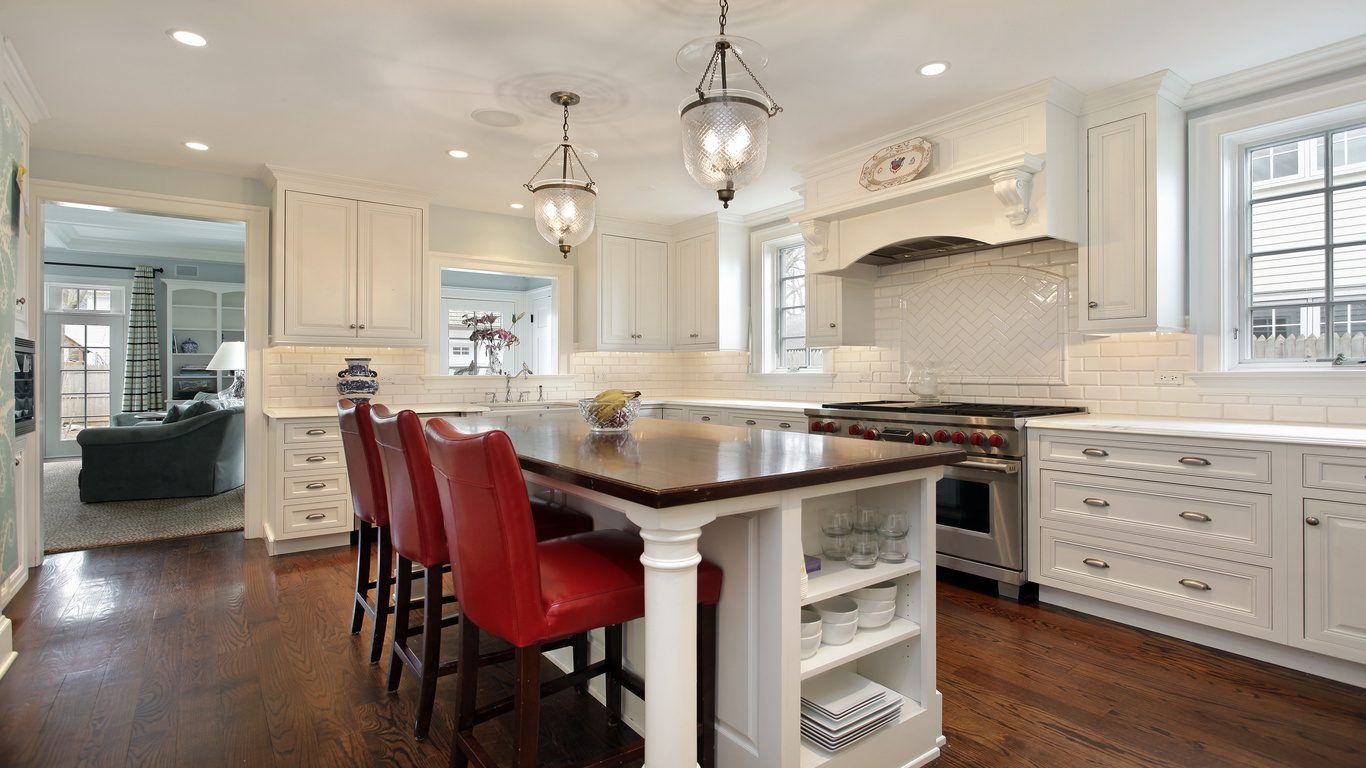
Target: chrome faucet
508, 377
493, 396
540, 393
1340, 359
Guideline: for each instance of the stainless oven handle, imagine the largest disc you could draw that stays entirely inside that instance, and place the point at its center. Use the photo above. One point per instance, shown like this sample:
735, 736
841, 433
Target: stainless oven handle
1005, 469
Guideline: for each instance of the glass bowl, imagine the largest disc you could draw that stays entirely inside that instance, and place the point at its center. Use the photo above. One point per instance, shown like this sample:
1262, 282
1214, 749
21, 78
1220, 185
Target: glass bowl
602, 417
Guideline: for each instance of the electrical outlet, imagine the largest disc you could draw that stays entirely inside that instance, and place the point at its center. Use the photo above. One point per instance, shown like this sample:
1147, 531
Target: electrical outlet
600, 378
865, 376
321, 379
1169, 378
386, 378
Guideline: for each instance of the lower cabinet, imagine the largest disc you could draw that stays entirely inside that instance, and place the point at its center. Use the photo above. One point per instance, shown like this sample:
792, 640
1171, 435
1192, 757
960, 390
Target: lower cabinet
310, 493
782, 422
1332, 537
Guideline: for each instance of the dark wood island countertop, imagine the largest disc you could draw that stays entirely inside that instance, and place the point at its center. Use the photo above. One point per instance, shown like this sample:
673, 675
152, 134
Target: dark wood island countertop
669, 463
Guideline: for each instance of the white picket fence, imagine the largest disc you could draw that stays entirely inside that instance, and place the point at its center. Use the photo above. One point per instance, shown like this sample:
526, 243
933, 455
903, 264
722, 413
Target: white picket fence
1294, 347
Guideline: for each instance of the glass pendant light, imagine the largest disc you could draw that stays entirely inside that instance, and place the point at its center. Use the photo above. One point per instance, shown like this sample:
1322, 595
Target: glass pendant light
564, 207
725, 130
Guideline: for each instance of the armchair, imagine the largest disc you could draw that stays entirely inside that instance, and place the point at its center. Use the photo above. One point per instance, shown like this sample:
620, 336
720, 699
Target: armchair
202, 455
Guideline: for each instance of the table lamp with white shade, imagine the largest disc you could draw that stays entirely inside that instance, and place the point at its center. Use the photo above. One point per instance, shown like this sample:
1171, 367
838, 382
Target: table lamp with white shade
232, 356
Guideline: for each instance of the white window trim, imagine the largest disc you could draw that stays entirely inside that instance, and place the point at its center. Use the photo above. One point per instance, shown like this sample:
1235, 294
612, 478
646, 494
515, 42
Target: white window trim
118, 297
763, 249
1217, 145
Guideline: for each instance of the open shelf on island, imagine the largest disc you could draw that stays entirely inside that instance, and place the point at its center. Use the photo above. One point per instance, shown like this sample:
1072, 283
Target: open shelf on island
865, 642
813, 755
836, 578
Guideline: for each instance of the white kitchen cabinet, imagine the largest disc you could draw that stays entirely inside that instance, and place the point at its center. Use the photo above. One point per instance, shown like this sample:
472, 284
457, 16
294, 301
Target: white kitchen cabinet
311, 497
23, 285
347, 263
1334, 572
782, 422
710, 299
839, 311
665, 412
634, 308
1133, 263
707, 415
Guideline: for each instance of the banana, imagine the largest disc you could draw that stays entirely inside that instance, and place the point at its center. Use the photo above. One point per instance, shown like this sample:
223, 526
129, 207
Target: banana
609, 402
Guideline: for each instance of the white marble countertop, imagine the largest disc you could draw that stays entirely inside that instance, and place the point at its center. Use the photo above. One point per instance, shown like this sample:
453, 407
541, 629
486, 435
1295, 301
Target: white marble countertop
318, 412
756, 405
1274, 432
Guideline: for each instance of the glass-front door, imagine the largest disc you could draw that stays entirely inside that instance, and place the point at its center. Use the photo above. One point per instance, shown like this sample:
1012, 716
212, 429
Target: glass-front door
84, 378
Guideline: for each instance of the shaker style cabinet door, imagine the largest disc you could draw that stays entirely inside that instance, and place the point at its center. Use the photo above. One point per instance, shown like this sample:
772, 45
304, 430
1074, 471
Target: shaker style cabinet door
618, 290
652, 294
634, 310
696, 293
319, 266
389, 265
1116, 167
1334, 572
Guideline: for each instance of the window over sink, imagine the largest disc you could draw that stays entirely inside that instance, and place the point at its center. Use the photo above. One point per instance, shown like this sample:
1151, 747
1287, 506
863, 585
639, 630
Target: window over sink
780, 299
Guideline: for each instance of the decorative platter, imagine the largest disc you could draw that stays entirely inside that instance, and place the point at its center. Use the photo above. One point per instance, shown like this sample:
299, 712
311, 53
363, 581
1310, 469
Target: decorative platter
896, 164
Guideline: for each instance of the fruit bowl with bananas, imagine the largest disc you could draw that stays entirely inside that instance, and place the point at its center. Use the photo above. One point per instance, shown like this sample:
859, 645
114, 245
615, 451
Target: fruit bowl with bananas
612, 410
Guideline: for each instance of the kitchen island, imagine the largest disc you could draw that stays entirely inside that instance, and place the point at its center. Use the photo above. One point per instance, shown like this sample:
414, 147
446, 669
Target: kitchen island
750, 501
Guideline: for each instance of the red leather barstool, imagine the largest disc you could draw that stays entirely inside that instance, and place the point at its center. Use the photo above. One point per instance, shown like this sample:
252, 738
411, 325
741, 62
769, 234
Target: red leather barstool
418, 536
370, 501
530, 593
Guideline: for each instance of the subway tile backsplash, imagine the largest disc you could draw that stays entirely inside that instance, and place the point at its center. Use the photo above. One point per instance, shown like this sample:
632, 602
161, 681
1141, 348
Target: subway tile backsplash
1107, 374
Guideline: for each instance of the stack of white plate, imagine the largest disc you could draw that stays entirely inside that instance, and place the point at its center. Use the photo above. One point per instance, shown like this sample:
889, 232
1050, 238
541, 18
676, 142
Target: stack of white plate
839, 708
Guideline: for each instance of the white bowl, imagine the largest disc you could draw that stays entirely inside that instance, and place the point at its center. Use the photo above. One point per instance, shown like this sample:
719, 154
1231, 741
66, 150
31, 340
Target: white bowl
810, 645
883, 591
811, 624
836, 609
871, 606
871, 619
838, 634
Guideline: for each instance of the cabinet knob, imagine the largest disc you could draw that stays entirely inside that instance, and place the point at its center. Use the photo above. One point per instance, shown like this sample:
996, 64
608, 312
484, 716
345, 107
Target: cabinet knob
362, 326
16, 461
1092, 304
1307, 520
832, 325
353, 325
21, 301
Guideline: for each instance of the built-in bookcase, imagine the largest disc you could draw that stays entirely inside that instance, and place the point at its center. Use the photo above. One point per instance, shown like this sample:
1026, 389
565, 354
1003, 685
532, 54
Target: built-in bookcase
207, 314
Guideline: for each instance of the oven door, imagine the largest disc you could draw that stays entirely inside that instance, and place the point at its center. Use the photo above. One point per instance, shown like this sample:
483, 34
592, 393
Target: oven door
979, 512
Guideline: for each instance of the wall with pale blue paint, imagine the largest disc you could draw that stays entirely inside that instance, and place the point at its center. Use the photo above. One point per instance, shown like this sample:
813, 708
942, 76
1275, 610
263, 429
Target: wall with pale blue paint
11, 150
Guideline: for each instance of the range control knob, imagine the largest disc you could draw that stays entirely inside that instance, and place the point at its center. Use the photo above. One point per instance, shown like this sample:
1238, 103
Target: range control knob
958, 437
855, 429
977, 438
831, 426
816, 426
923, 439
996, 441
941, 436
870, 434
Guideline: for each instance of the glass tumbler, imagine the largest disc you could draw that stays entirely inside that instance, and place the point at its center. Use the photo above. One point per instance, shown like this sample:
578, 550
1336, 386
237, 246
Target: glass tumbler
893, 541
867, 519
835, 546
863, 549
836, 523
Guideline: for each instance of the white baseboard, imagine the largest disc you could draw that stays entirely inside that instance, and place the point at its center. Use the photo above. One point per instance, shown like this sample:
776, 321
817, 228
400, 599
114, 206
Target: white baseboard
1232, 642
12, 585
7, 654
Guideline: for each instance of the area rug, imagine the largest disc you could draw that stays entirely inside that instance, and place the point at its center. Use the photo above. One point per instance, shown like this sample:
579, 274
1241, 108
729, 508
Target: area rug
70, 525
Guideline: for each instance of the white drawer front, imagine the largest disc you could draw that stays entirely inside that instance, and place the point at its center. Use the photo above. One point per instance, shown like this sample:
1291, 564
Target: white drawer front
1205, 517
299, 488
312, 432
706, 416
1123, 573
314, 458
1194, 461
766, 421
1335, 473
322, 516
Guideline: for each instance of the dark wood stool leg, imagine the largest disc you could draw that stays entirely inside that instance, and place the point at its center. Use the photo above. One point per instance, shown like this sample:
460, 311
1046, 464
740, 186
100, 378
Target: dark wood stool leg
527, 707
466, 686
706, 684
403, 599
384, 582
615, 647
362, 577
431, 652
581, 648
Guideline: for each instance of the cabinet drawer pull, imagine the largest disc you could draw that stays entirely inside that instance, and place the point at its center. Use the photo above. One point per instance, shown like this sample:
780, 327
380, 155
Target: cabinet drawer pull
1095, 452
706, 418
316, 458
1095, 563
750, 422
1194, 461
315, 516
315, 486
316, 432
1094, 502
1199, 517
784, 425
1193, 584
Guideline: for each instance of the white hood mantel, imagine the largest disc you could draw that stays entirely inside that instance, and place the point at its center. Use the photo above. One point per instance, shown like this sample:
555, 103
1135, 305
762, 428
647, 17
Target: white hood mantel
1001, 172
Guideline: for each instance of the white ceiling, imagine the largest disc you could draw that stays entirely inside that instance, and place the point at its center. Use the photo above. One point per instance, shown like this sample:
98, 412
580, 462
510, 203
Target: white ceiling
105, 231
380, 91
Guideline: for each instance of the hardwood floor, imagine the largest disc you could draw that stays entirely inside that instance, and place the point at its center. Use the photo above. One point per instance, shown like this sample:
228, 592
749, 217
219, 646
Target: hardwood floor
207, 652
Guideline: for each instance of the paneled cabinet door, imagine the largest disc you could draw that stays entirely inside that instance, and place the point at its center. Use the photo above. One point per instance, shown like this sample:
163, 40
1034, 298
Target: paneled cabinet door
696, 295
1116, 261
635, 294
319, 266
1334, 572
652, 294
823, 311
618, 267
389, 266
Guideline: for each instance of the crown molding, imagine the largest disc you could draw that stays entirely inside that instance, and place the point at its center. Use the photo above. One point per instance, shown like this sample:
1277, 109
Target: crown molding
19, 90
274, 175
777, 214
1291, 69
1166, 84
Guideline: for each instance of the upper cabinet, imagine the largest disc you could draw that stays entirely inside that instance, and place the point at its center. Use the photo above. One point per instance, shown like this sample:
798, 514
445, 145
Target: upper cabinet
633, 313
1133, 263
839, 311
347, 262
710, 298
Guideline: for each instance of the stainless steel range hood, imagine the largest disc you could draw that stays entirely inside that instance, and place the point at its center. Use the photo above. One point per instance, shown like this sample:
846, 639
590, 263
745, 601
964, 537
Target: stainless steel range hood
918, 248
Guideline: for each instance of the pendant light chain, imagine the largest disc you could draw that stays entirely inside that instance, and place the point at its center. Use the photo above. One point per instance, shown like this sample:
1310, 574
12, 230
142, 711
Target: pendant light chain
566, 123
718, 58
725, 6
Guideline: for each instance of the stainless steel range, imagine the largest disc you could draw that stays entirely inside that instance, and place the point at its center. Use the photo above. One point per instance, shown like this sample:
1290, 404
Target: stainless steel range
981, 501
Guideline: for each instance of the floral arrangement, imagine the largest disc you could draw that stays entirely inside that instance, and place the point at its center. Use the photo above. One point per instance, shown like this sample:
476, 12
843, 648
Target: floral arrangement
493, 340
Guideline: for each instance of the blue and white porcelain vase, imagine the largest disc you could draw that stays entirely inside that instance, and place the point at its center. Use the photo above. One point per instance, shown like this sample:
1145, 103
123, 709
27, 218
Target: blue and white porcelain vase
358, 383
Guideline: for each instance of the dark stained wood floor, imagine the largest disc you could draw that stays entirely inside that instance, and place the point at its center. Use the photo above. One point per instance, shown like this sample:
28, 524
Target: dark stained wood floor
206, 652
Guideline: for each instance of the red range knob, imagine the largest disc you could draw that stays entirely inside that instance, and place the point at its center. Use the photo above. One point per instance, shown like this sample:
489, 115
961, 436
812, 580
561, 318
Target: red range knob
831, 426
996, 441
855, 429
870, 434
941, 436
977, 438
922, 439
959, 437
816, 426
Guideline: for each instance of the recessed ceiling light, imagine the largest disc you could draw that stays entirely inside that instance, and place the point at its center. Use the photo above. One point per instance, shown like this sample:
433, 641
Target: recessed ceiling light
187, 37
457, 153
497, 118
196, 145
516, 205
934, 68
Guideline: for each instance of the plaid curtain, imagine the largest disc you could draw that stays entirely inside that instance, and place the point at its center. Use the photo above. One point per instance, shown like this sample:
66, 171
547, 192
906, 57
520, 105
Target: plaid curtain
142, 373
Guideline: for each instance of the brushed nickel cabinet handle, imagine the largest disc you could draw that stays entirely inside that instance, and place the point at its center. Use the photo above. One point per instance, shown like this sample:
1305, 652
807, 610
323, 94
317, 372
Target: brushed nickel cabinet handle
1193, 584
316, 458
1092, 304
750, 422
1307, 520
784, 425
1095, 452
1199, 517
1094, 502
316, 432
1194, 461
315, 516
1096, 563
315, 486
